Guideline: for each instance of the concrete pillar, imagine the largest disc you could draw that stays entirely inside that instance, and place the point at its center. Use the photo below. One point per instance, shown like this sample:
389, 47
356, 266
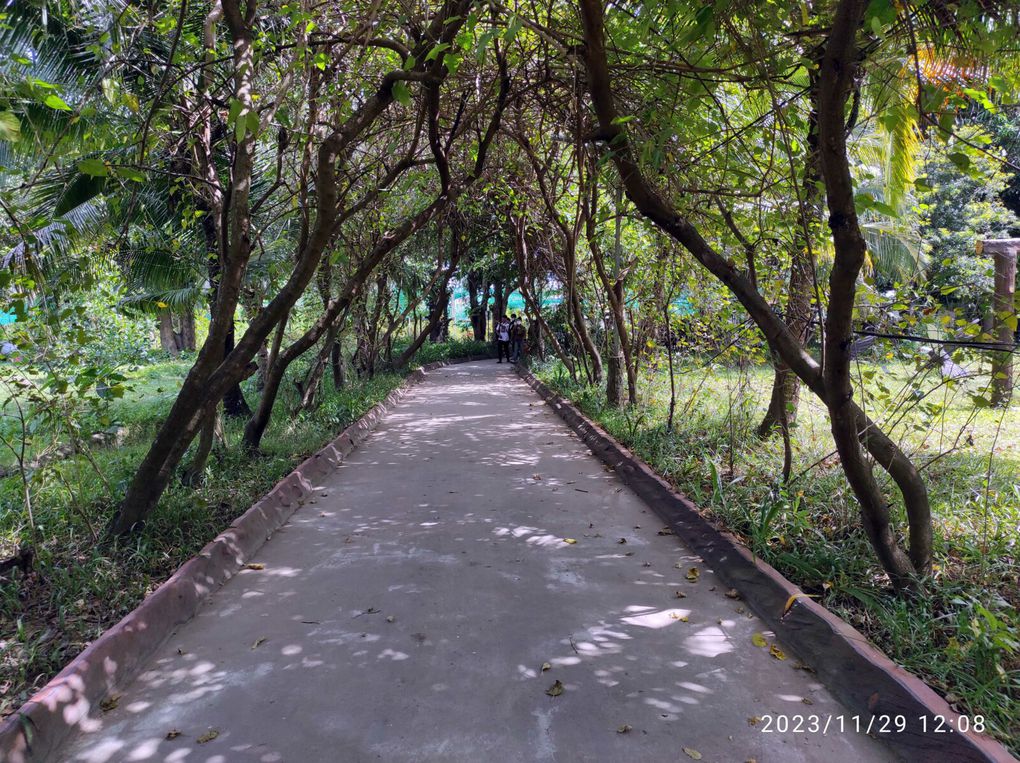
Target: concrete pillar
1004, 314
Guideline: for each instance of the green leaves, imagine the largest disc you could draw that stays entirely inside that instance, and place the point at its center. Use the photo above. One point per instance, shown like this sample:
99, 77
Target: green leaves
55, 102
10, 126
865, 201
401, 93
244, 120
93, 168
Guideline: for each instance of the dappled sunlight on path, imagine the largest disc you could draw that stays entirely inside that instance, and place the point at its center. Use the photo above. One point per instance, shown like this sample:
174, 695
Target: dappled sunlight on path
468, 558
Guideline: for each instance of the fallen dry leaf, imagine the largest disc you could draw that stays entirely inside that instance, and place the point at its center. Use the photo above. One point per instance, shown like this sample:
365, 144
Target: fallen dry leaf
556, 689
692, 753
677, 616
776, 652
789, 602
759, 641
571, 541
110, 703
390, 618
732, 594
622, 540
258, 642
208, 736
536, 476
546, 666
665, 531
693, 574
623, 729
255, 566
679, 595
172, 734
753, 720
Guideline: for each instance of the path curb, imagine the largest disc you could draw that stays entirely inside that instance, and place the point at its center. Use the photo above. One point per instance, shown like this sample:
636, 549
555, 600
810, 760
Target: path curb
39, 727
862, 677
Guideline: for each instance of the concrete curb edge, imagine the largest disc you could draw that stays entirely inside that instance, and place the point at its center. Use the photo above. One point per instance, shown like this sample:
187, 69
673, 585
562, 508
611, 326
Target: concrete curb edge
861, 676
39, 726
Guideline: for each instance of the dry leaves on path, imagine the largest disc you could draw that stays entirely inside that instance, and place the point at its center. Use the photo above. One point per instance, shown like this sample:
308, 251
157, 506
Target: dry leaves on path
110, 703
556, 689
692, 753
208, 736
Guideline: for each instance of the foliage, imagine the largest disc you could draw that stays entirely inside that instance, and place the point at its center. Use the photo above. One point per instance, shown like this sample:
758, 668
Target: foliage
963, 206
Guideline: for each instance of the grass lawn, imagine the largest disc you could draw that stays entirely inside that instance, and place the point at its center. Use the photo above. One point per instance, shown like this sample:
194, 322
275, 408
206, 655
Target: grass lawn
83, 583
963, 635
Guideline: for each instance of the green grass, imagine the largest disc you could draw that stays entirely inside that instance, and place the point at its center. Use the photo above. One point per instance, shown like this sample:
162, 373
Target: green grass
962, 635
82, 584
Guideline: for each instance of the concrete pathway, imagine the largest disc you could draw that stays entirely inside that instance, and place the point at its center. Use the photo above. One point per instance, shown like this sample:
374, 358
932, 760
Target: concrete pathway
426, 604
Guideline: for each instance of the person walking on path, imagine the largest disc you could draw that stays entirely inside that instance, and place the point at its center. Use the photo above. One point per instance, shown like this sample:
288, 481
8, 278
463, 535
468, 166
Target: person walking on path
517, 333
503, 339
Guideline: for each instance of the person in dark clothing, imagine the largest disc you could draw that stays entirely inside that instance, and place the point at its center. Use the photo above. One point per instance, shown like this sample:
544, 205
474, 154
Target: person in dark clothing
503, 339
517, 334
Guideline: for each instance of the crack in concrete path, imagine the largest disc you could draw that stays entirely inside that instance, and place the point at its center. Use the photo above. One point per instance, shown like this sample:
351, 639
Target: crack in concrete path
457, 565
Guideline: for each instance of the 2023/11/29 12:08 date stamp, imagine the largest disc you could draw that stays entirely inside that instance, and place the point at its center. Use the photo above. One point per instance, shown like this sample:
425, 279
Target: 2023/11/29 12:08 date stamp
868, 724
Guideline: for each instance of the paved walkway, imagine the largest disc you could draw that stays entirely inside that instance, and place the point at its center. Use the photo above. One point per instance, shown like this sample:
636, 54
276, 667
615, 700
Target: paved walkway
424, 607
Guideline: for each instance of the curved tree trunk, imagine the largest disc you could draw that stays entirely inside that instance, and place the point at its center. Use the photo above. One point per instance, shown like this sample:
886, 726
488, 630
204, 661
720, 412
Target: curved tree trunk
852, 429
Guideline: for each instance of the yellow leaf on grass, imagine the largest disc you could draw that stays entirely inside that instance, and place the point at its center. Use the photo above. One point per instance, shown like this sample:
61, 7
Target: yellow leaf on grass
692, 753
556, 689
759, 641
776, 652
208, 736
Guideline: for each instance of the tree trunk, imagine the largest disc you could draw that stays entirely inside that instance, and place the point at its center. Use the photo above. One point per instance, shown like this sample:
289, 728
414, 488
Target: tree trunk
212, 429
167, 338
188, 330
785, 398
234, 404
336, 362
1004, 254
